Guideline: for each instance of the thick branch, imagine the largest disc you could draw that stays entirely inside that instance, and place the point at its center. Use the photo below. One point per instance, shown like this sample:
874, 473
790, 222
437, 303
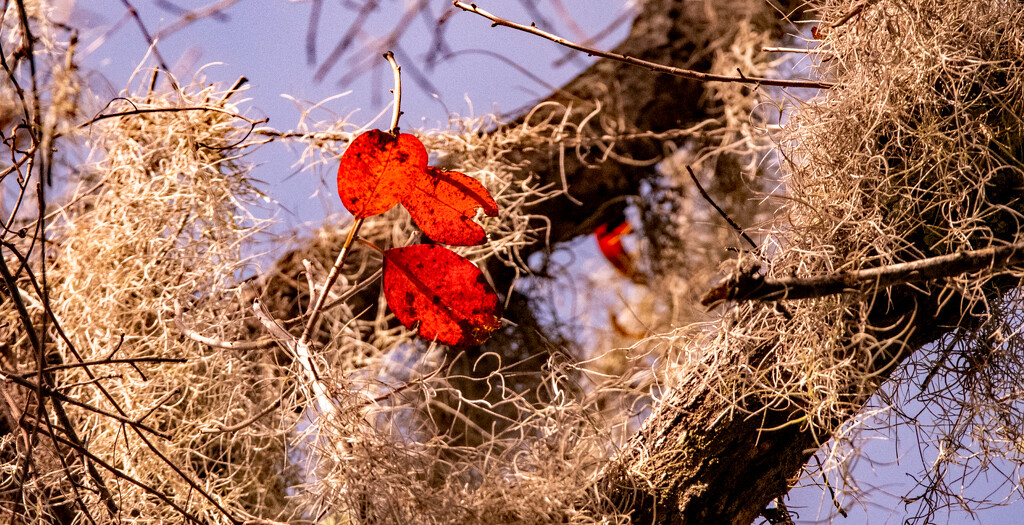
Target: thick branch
639, 62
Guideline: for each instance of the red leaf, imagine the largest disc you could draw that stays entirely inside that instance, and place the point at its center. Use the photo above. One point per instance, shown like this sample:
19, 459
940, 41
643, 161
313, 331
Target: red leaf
444, 293
610, 243
378, 170
444, 203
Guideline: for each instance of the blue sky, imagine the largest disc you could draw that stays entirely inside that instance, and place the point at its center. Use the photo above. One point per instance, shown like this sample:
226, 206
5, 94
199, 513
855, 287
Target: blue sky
265, 41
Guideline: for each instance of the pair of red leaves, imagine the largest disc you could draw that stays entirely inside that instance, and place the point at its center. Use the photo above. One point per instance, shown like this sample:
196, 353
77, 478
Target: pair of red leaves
378, 171
426, 285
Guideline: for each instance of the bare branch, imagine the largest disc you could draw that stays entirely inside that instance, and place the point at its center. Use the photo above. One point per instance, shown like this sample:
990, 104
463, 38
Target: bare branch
390, 57
748, 286
660, 68
93, 458
149, 40
57, 396
719, 209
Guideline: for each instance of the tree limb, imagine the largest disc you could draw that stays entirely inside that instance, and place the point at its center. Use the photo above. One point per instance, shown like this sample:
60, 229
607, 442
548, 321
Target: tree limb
646, 64
748, 286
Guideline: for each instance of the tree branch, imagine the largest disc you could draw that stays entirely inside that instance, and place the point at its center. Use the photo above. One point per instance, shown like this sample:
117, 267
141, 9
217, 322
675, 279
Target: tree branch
748, 286
646, 64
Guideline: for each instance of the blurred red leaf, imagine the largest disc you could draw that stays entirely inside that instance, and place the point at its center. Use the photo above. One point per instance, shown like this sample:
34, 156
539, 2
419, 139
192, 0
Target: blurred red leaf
378, 170
445, 294
610, 243
444, 203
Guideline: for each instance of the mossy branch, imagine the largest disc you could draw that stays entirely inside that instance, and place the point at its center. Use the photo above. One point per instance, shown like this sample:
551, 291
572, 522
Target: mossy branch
748, 286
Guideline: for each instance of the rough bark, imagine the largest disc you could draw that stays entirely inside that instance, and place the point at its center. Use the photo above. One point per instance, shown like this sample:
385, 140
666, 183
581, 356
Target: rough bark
696, 459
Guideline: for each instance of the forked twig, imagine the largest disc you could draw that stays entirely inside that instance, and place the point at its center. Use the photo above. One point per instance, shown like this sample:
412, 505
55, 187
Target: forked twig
151, 42
126, 360
191, 17
57, 396
136, 425
130, 479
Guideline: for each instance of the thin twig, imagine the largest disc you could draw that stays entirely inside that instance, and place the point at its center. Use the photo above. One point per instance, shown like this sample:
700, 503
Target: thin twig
127, 360
216, 343
625, 16
332, 277
121, 415
159, 403
660, 68
835, 501
16, 165
42, 390
260, 343
184, 476
57, 396
315, 312
399, 389
720, 210
149, 40
98, 118
856, 10
222, 428
354, 27
773, 49
300, 351
354, 289
308, 266
397, 70
234, 88
311, 31
300, 347
240, 346
119, 474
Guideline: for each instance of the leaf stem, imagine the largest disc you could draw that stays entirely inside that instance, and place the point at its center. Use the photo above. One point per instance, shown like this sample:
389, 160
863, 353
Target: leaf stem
390, 57
370, 245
